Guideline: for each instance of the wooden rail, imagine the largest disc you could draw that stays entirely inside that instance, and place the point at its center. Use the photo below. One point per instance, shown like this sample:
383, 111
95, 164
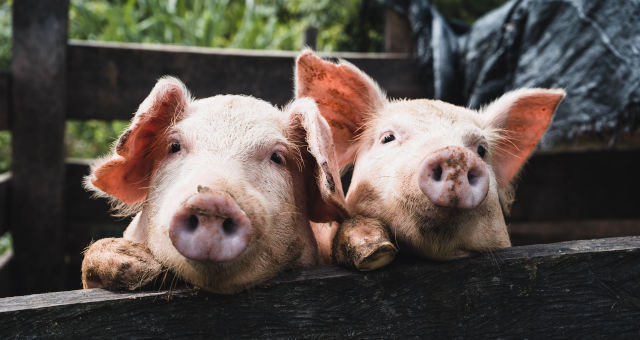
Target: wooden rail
575, 289
110, 80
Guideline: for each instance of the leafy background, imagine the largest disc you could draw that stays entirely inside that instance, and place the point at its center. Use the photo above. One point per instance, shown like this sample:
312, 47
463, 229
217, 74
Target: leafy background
347, 25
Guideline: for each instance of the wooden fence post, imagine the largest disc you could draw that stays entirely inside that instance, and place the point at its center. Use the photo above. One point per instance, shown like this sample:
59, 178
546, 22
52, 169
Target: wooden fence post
38, 121
397, 33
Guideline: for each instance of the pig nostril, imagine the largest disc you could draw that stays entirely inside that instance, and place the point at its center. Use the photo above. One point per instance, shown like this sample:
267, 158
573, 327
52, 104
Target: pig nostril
437, 173
228, 226
472, 178
192, 222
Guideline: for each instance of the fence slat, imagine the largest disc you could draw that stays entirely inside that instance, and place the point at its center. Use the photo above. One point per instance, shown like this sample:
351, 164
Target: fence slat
579, 186
39, 104
109, 81
572, 289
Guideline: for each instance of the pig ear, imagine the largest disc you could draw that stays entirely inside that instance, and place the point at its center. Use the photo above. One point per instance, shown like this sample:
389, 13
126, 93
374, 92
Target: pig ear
125, 174
521, 118
325, 199
345, 96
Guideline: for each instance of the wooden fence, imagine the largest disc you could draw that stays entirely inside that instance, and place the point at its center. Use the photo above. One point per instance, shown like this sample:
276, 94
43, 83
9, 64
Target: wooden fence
565, 289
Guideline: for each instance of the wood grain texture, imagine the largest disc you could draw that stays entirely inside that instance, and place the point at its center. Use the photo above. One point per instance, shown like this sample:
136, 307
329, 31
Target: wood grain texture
579, 186
397, 32
38, 86
5, 97
573, 289
109, 81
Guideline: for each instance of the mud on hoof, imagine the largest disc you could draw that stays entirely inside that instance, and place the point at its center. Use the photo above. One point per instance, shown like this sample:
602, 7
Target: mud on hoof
363, 243
118, 264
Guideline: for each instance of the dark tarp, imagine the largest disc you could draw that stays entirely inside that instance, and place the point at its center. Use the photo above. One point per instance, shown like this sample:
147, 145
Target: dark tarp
590, 48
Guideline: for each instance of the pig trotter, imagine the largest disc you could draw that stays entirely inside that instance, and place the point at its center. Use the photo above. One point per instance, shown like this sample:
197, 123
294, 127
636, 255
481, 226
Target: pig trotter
363, 243
118, 264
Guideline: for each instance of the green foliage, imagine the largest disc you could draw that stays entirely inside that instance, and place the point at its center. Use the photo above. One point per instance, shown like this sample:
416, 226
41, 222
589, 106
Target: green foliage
254, 24
5, 34
92, 138
5, 242
5, 151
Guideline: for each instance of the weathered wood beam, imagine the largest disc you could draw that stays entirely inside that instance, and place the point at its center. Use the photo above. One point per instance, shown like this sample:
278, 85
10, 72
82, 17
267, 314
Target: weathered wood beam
5, 95
110, 80
397, 32
579, 186
38, 86
537, 232
573, 289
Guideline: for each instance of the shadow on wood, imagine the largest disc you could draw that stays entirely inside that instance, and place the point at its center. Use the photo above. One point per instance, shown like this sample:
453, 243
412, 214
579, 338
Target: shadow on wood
572, 289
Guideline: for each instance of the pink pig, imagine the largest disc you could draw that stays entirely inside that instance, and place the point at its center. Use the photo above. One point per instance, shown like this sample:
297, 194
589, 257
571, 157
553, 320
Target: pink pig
432, 177
222, 189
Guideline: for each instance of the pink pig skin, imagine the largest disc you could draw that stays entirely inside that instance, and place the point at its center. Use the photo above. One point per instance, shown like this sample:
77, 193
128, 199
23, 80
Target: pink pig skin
223, 190
430, 177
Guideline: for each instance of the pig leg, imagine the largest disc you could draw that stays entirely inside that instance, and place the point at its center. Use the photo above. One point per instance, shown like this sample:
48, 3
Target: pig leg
363, 243
117, 263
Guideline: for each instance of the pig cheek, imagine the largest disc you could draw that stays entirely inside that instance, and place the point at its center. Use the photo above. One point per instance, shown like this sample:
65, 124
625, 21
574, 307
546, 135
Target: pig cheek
486, 229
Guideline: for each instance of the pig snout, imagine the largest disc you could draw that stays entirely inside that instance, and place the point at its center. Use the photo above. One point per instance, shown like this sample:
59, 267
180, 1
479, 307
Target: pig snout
454, 177
210, 226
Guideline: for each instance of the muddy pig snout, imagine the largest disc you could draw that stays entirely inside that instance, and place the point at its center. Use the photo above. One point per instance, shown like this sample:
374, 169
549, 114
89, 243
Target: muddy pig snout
454, 177
210, 226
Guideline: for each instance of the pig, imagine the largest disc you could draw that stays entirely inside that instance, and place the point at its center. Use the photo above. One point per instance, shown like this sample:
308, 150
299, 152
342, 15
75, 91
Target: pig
432, 178
223, 190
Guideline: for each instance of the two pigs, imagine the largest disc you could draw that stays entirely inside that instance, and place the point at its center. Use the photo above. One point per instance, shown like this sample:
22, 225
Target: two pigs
229, 191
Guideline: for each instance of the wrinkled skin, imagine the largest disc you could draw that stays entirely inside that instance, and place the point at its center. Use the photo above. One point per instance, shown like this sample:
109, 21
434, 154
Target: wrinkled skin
223, 190
435, 177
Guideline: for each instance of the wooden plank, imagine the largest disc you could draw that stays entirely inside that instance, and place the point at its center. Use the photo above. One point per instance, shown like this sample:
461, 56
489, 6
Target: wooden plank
579, 186
397, 32
109, 80
39, 104
5, 95
5, 201
573, 289
537, 232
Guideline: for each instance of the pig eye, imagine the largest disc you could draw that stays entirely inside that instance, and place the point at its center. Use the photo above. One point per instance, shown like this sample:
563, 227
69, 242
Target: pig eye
482, 150
276, 158
389, 137
175, 147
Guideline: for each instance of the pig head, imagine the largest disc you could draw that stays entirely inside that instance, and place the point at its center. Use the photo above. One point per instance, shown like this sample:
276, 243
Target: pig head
437, 176
222, 189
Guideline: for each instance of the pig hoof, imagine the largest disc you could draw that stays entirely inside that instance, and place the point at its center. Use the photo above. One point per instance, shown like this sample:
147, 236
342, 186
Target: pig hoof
379, 257
117, 263
363, 243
